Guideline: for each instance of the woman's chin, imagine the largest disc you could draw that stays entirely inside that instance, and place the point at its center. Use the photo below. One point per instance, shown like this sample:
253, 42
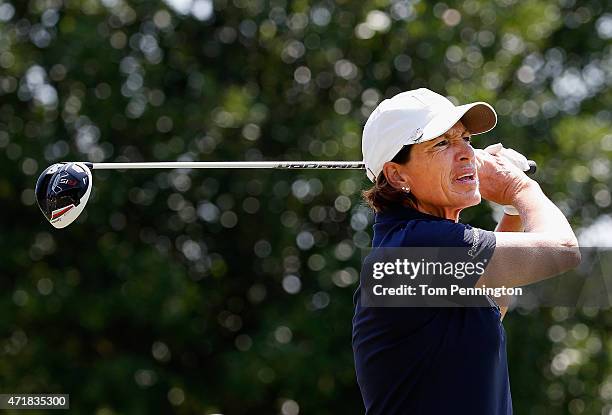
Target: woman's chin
471, 199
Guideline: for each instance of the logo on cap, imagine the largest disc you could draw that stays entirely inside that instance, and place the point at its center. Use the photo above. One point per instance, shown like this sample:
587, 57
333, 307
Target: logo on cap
416, 136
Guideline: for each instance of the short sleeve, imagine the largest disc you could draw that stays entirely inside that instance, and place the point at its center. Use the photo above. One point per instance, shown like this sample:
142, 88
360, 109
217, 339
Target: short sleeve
446, 234
469, 244
480, 243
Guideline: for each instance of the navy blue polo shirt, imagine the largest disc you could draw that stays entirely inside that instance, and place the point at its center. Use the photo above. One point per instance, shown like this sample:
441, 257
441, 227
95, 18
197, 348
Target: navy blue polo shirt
430, 361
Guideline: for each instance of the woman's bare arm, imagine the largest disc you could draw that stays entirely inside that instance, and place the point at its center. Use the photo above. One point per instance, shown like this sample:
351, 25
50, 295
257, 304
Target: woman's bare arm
508, 223
547, 246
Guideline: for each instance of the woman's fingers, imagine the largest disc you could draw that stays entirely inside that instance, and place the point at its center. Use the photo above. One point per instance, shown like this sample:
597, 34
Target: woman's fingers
494, 148
498, 177
516, 158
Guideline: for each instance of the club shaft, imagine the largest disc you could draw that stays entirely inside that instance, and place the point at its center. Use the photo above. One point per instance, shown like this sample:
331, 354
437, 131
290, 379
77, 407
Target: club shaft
231, 165
244, 165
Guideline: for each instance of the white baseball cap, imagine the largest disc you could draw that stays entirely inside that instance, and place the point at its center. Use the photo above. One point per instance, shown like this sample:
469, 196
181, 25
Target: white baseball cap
414, 117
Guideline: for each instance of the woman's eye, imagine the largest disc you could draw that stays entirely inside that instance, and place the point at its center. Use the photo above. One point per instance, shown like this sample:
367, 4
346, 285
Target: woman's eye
441, 143
468, 139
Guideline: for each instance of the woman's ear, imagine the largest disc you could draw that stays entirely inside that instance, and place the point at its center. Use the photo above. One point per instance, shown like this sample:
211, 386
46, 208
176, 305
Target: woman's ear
395, 174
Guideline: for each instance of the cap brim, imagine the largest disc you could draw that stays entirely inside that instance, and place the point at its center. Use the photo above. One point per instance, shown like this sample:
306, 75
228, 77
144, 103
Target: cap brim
477, 117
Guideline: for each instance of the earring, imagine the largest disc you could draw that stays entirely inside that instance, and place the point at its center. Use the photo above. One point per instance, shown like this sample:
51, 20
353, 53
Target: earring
406, 189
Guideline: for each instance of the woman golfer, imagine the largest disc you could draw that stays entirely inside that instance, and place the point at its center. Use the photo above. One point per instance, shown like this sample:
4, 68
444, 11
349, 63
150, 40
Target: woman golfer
447, 360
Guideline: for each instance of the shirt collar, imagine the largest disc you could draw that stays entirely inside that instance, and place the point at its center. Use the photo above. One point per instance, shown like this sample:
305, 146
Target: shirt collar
398, 213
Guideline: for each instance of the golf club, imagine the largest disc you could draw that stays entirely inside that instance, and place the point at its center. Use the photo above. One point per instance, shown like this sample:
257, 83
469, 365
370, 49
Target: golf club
62, 190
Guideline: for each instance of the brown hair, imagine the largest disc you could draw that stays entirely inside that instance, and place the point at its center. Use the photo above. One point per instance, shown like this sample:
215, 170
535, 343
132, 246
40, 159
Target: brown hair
382, 195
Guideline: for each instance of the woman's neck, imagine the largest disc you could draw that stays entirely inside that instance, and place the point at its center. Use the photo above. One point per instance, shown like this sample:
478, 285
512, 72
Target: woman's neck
441, 212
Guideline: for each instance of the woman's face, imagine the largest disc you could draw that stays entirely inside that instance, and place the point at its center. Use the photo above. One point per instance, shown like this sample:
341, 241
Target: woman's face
442, 173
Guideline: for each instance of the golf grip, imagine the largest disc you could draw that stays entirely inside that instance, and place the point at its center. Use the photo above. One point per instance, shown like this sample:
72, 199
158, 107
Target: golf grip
246, 165
533, 167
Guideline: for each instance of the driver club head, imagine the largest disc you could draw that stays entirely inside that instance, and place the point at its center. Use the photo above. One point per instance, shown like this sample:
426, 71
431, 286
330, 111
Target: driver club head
62, 191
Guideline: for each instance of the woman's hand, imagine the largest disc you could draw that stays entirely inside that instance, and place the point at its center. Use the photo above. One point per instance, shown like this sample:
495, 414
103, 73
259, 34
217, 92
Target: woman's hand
500, 180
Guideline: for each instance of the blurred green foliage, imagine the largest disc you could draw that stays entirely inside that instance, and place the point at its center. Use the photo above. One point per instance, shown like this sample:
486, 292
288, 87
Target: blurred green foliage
231, 291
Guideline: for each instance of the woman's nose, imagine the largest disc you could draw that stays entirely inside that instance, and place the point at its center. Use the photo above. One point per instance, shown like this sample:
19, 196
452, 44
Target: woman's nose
465, 151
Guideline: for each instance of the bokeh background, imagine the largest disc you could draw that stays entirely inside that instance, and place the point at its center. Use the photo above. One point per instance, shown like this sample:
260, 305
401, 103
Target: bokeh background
200, 292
